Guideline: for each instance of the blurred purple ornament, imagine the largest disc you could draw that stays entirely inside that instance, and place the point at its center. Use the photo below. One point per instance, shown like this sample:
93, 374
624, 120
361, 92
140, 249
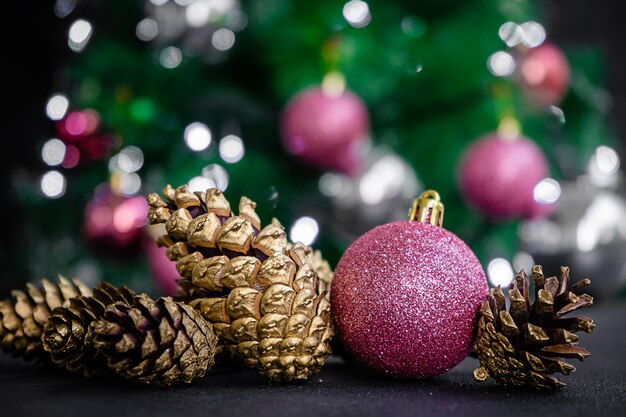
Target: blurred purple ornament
326, 130
544, 74
162, 269
497, 175
114, 224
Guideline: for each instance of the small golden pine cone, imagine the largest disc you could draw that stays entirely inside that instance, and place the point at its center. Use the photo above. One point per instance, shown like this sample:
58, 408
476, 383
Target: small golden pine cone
155, 341
68, 335
22, 318
524, 345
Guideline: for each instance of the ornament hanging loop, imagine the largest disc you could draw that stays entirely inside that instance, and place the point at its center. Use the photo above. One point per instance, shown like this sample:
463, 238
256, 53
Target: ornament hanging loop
428, 208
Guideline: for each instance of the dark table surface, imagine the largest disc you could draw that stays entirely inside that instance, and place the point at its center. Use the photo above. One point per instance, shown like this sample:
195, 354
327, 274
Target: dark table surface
597, 388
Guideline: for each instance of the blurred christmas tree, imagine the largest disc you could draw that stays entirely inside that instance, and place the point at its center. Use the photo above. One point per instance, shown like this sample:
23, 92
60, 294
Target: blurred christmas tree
331, 115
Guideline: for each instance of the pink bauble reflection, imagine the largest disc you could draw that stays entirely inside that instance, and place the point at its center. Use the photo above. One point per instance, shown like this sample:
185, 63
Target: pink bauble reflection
115, 224
405, 296
162, 269
544, 74
497, 176
326, 130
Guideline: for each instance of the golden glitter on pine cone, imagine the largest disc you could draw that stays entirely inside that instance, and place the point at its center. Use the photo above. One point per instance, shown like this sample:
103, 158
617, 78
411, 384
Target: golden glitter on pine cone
155, 341
68, 335
23, 318
263, 294
524, 345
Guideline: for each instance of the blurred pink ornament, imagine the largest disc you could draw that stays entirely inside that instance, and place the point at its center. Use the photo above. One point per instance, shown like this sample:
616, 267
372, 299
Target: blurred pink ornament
326, 130
81, 130
114, 224
497, 175
544, 74
162, 269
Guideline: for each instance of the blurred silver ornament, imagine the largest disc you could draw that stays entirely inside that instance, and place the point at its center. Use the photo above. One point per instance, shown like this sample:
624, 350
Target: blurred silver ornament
587, 232
379, 193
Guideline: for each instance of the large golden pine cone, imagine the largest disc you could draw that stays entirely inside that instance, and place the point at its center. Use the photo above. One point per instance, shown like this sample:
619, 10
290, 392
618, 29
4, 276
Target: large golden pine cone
262, 293
68, 335
155, 341
23, 318
524, 345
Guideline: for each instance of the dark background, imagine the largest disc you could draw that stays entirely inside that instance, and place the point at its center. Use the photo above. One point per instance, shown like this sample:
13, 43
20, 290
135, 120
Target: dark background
34, 47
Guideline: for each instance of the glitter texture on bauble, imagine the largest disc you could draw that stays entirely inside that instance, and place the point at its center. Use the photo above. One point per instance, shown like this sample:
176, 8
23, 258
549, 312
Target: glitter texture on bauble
405, 296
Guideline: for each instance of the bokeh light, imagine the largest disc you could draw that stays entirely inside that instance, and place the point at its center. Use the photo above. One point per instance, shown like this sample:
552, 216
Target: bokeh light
501, 64
53, 152
231, 149
547, 191
147, 29
170, 57
357, 13
197, 136
223, 39
52, 184
304, 230
57, 106
217, 174
500, 272
79, 34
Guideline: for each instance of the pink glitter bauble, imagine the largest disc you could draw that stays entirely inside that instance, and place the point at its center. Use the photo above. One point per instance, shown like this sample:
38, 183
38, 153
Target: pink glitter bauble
162, 269
404, 298
326, 130
544, 74
497, 176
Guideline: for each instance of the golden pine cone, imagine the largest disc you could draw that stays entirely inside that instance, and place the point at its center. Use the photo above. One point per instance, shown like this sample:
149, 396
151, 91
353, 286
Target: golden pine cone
262, 293
162, 341
68, 335
526, 344
23, 318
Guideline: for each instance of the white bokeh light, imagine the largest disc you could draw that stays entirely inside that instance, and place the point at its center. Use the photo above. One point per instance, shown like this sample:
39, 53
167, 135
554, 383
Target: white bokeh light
53, 152
330, 184
533, 34
500, 272
231, 149
52, 184
79, 34
147, 29
217, 174
223, 39
57, 106
510, 33
501, 64
197, 136
547, 191
130, 184
357, 13
130, 159
523, 261
384, 178
304, 230
170, 57
200, 184
198, 13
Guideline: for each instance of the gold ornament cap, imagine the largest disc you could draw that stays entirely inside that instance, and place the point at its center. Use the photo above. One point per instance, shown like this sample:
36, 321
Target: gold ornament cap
428, 208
